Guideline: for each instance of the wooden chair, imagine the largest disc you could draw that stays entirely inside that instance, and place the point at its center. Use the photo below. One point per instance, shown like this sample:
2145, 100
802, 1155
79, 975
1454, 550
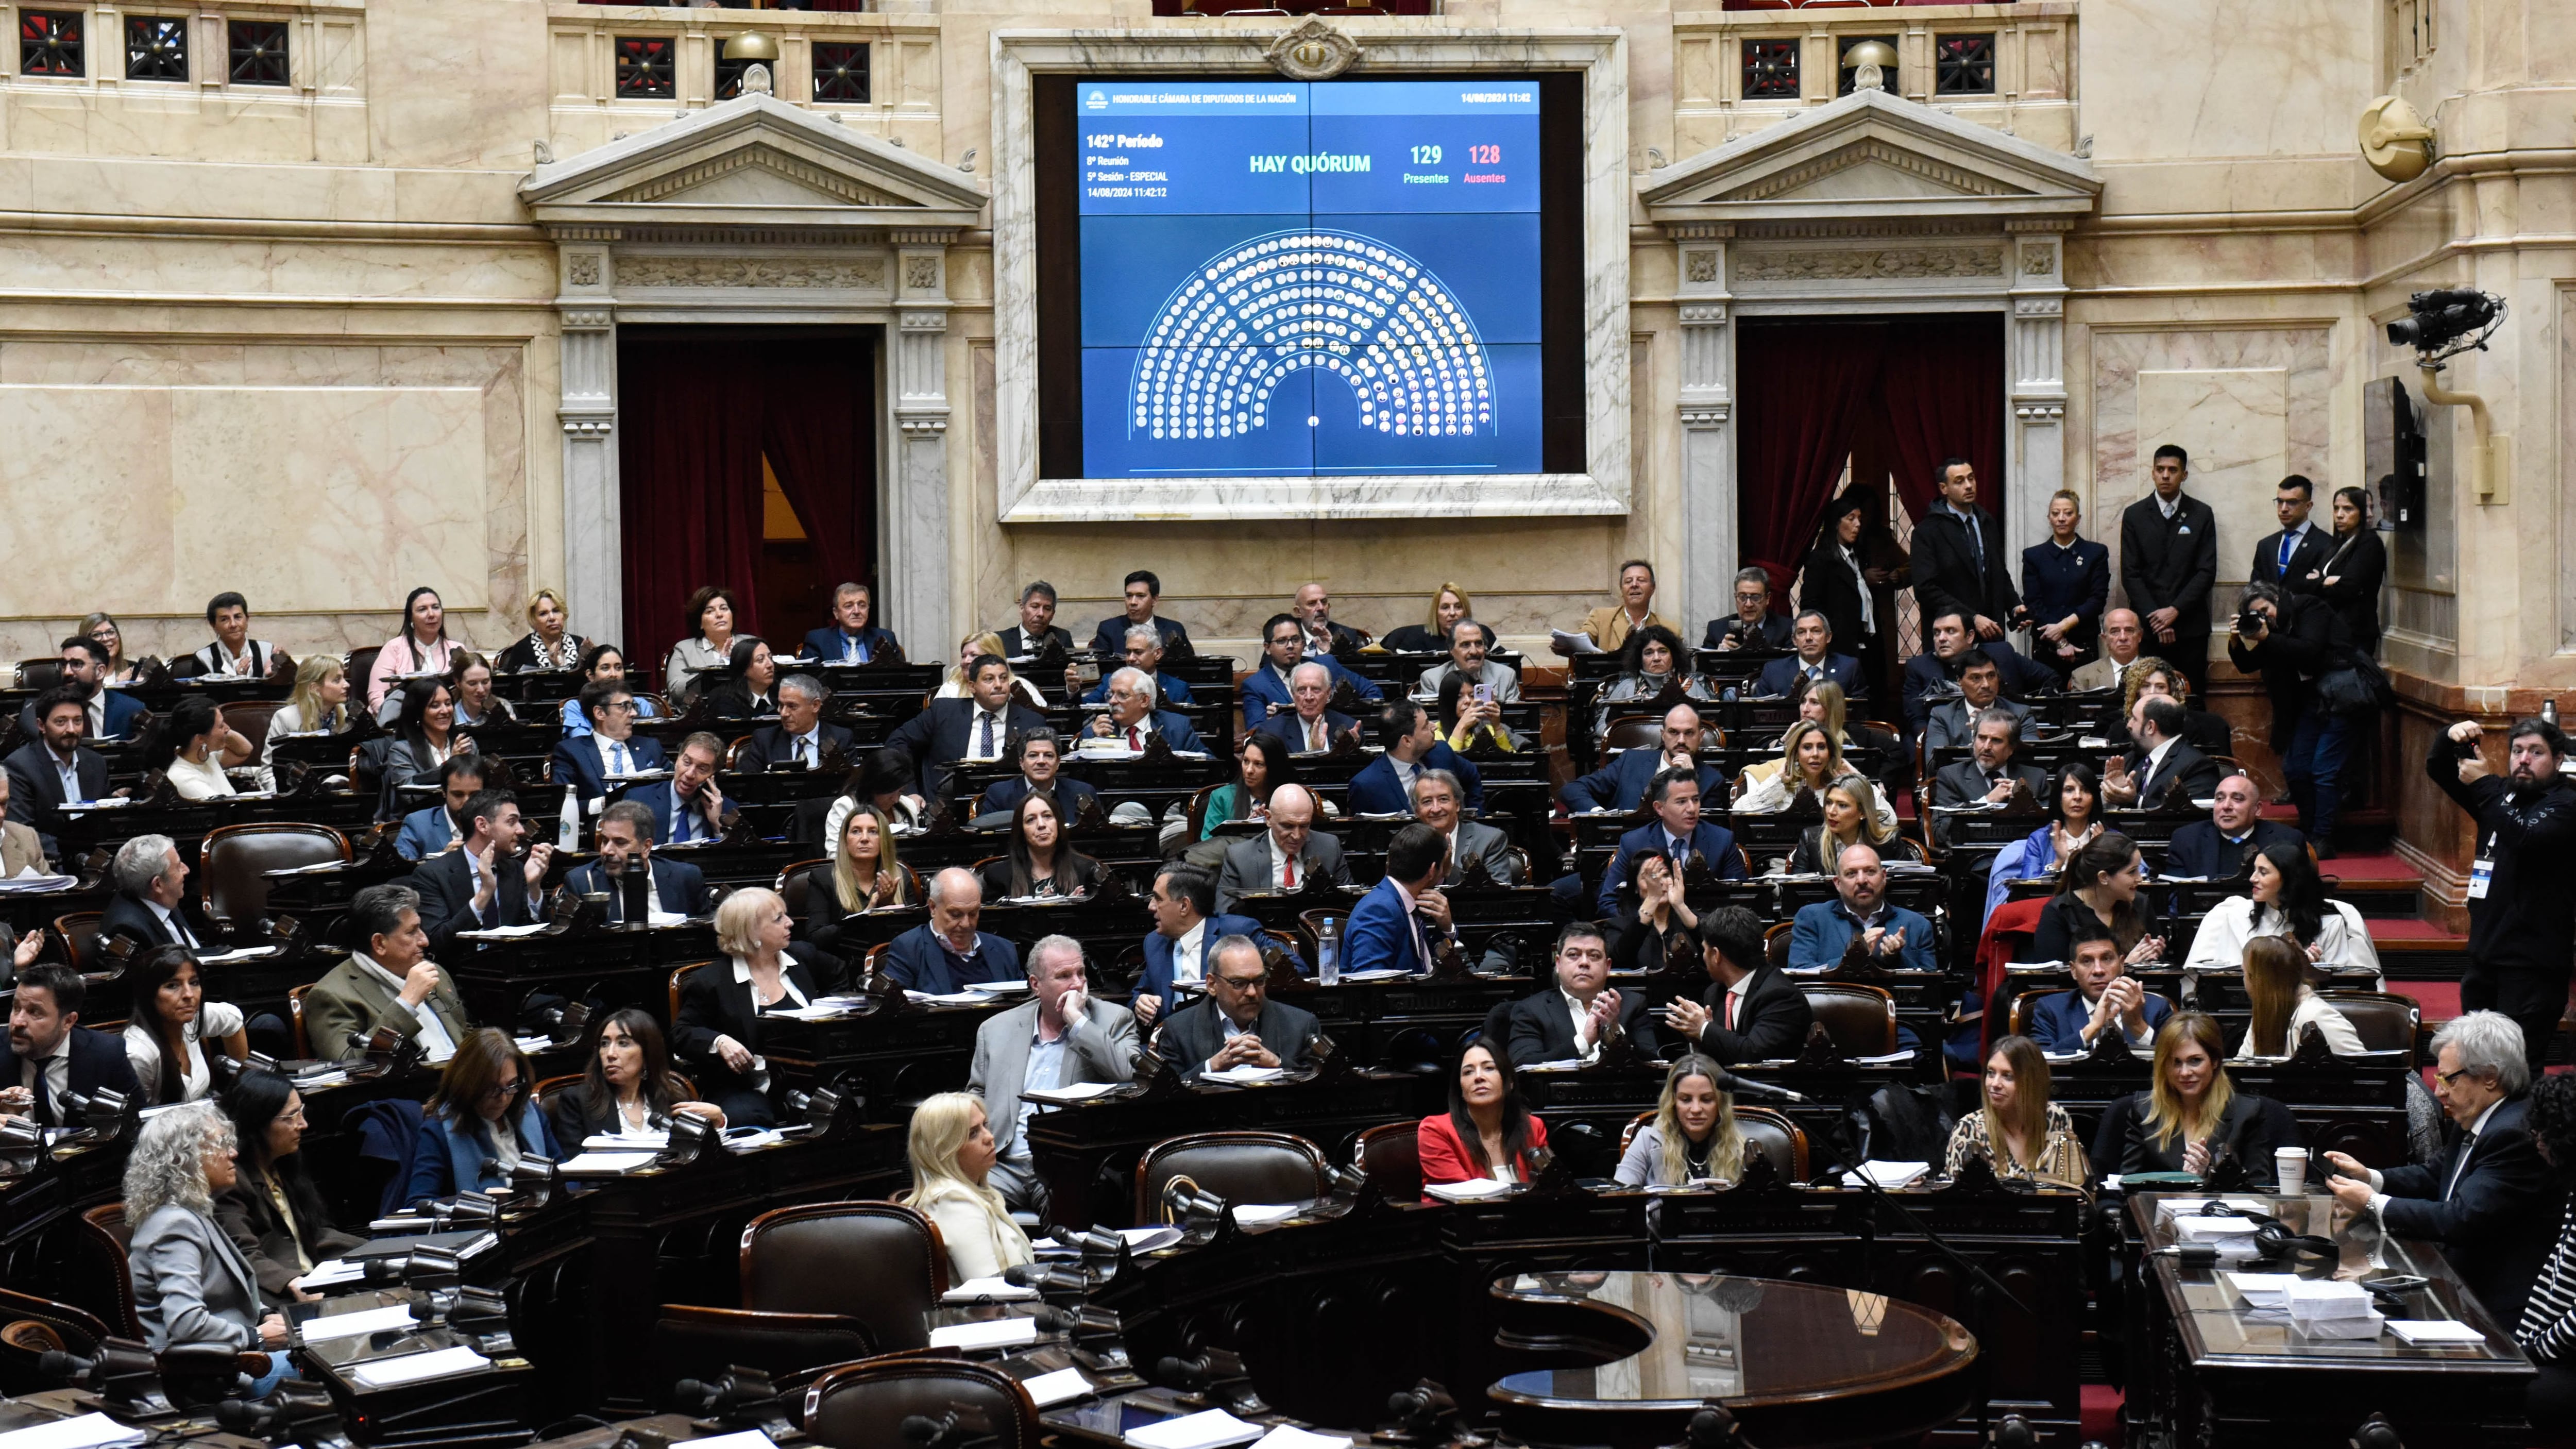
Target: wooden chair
795, 886
99, 1266
361, 663
31, 1327
1764, 1129
2024, 1005
677, 977
879, 1262
733, 751
690, 1341
864, 1405
233, 866
2384, 1020
1197, 812
39, 675
1860, 1019
1390, 1155
1241, 1167
1632, 732
295, 1014
79, 933
249, 718
1775, 944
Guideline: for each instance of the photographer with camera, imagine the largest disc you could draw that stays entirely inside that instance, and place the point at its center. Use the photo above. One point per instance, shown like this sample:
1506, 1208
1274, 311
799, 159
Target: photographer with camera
2293, 640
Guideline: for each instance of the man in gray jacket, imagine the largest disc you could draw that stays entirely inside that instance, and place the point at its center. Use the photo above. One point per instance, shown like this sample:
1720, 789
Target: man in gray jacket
1059, 1038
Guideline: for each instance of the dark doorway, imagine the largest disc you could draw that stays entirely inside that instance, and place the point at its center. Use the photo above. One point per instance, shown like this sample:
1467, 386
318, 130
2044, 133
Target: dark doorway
1833, 405
746, 457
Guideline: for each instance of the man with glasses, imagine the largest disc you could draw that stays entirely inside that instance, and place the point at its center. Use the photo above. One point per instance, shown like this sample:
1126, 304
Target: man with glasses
610, 751
1753, 626
689, 807
1238, 1025
1266, 689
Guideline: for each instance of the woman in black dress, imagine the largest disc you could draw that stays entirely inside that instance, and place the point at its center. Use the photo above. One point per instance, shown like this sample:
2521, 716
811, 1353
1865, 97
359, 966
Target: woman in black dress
2355, 569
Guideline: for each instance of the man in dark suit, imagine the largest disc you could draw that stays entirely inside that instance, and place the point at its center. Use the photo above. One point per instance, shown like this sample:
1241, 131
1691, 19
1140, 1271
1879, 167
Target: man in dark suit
1750, 1013
2160, 770
2293, 556
689, 806
55, 769
1399, 924
433, 829
1581, 1015
1284, 857
2105, 994
1959, 560
1753, 625
1144, 653
1677, 834
2487, 1198
110, 713
1143, 592
1132, 719
1238, 1025
1989, 774
1933, 676
1812, 635
850, 638
945, 953
1620, 784
926, 747
2292, 640
1037, 627
49, 1053
1953, 722
1265, 690
2168, 564
611, 750
625, 839
1312, 726
1041, 756
150, 907
1436, 795
1412, 744
2223, 847
800, 737
484, 883
1322, 638
1187, 927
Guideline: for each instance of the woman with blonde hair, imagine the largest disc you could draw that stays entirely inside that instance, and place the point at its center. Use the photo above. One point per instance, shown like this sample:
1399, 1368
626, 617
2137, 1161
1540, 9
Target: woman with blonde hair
863, 875
1811, 758
1449, 604
2191, 1116
1693, 1137
2019, 1131
549, 643
102, 630
2286, 1006
318, 704
952, 1152
192, 1286
1852, 817
717, 1030
974, 647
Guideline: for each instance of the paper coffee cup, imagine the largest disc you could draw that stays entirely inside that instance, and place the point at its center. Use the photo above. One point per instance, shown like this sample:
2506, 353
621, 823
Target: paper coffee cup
2290, 1165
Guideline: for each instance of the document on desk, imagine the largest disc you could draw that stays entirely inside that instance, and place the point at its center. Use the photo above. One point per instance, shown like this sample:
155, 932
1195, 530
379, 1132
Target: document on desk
995, 1333
651, 1141
30, 883
988, 1290
1076, 1092
1207, 1429
1888, 1174
333, 1272
1245, 1075
997, 988
2262, 1290
747, 1439
603, 1164
1471, 1190
355, 1325
84, 1431
1148, 1240
1374, 973
502, 933
1264, 1214
954, 998
1887, 1059
1061, 1387
1288, 1436
2421, 1332
412, 1368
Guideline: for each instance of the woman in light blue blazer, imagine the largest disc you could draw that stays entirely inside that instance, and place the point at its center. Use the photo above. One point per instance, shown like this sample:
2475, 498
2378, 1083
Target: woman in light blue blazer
192, 1287
480, 1122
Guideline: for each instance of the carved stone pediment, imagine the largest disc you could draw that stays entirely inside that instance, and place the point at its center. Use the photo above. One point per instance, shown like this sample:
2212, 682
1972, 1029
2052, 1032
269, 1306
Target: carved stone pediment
1870, 155
751, 165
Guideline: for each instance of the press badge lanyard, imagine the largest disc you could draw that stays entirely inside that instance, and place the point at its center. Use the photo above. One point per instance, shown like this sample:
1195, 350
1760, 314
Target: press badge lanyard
2482, 870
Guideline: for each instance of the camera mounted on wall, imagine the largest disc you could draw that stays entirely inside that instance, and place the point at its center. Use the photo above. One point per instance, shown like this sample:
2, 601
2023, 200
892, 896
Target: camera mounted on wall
2443, 324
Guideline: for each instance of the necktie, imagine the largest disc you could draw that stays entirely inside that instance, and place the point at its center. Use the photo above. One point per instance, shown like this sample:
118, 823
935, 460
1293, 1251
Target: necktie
1976, 542
1135, 738
1288, 874
1315, 733
44, 1089
851, 651
2288, 540
683, 828
617, 759
1731, 999
2468, 1144
1421, 943
985, 750
805, 750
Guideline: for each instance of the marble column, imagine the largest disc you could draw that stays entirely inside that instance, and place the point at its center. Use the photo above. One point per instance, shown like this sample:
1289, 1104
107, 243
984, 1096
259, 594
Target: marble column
1705, 407
594, 578
2035, 359
916, 505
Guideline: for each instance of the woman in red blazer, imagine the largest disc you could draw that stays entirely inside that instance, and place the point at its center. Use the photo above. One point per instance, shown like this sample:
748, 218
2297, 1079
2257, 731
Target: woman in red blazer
1487, 1124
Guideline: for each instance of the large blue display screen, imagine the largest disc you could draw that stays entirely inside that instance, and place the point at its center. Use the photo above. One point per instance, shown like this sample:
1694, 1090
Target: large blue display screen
1336, 278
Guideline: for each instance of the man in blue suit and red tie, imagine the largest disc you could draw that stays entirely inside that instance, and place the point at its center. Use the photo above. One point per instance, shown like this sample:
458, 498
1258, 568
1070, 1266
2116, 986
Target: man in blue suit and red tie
1400, 922
1678, 834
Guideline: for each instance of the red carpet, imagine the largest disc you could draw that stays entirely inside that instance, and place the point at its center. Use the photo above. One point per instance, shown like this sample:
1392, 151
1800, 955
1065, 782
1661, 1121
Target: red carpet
2101, 1414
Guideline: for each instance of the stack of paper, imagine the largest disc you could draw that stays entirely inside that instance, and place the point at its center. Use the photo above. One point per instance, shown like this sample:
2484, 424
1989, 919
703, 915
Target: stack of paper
1246, 1074
2187, 1205
2331, 1308
1263, 1214
1077, 1092
997, 1333
1888, 1174
333, 1272
1288, 1436
1148, 1240
86, 1431
2420, 1332
1374, 973
1209, 1429
2227, 1232
603, 1164
1061, 1387
28, 882
2263, 1291
1468, 1191
652, 1139
988, 1290
411, 1368
354, 1325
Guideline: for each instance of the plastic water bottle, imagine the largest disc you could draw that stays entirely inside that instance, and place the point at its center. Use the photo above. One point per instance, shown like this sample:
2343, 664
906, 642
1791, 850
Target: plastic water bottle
1328, 952
568, 828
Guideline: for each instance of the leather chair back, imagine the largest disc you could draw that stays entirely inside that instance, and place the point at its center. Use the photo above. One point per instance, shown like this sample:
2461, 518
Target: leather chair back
679, 976
1241, 1167
1633, 732
98, 1270
295, 1013
1310, 927
879, 1262
2026, 1006
249, 718
1775, 945
31, 1326
79, 930
1390, 1155
551, 1085
796, 885
236, 858
1860, 1019
361, 663
2385, 1021
1763, 1129
40, 674
863, 1405
692, 1342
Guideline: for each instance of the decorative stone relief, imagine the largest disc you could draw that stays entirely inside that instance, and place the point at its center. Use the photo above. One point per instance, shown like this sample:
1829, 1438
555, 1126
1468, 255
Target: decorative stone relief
1700, 266
1313, 51
1888, 262
920, 274
749, 272
2038, 259
583, 269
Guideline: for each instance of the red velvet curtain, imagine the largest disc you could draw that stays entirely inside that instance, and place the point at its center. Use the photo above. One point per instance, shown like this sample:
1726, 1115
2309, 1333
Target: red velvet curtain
688, 463
1804, 386
817, 428
1942, 385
